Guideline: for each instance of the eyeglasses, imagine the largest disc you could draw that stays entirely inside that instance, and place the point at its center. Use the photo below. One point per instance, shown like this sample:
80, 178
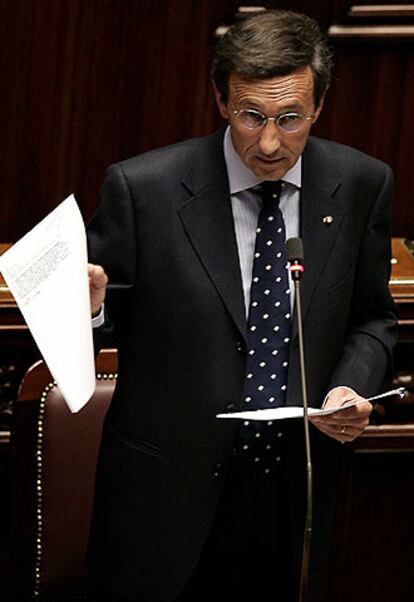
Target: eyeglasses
288, 123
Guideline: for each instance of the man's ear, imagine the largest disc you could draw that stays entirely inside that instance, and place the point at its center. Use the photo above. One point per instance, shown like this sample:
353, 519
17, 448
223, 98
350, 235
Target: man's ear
222, 107
318, 108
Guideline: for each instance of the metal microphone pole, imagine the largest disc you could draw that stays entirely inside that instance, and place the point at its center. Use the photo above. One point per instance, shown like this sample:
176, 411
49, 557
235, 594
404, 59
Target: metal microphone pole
295, 258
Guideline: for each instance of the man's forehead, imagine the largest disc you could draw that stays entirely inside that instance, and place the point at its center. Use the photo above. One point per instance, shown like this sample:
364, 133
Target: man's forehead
295, 86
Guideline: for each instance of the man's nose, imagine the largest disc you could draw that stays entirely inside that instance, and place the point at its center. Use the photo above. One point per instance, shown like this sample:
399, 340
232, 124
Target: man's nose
269, 140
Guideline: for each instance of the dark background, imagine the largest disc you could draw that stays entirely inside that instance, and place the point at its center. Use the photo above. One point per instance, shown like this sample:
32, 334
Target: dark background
85, 83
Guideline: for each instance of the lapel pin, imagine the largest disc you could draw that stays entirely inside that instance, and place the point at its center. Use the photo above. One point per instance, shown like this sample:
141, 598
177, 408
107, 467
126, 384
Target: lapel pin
327, 219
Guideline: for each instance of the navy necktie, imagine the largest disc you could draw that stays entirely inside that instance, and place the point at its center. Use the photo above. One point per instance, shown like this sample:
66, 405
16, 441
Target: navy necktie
268, 332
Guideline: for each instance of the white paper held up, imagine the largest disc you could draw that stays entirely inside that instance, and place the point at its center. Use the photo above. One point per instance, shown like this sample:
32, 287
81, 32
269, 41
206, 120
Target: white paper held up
46, 271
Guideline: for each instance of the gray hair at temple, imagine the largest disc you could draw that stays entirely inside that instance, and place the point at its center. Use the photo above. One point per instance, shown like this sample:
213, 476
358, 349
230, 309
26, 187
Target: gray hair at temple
269, 44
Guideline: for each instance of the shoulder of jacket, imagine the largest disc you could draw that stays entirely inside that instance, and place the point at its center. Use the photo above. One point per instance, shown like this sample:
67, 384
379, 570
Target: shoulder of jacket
346, 156
174, 158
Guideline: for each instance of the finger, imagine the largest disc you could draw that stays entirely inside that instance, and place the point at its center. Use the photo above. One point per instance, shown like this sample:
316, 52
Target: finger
338, 429
360, 415
361, 407
340, 435
340, 397
339, 420
341, 432
327, 420
334, 434
97, 276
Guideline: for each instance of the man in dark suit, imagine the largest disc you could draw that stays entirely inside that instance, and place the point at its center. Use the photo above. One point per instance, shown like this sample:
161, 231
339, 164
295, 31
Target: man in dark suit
188, 507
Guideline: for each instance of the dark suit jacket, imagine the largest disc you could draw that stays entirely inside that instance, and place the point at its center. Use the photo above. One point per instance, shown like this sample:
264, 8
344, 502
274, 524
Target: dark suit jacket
164, 233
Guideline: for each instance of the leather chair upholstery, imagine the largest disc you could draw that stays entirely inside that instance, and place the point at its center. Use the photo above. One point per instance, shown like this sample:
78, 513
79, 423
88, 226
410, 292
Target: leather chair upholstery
55, 459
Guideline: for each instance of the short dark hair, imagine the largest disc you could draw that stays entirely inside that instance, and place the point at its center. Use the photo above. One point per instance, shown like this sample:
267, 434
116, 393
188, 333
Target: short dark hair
272, 43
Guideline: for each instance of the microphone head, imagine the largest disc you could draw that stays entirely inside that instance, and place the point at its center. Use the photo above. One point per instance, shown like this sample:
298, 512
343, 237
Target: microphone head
294, 250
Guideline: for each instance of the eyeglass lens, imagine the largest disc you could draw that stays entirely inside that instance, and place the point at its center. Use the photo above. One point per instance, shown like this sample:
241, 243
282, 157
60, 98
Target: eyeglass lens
288, 122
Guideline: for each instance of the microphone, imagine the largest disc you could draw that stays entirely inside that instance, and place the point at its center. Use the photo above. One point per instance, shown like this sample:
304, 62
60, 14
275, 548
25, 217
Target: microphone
294, 252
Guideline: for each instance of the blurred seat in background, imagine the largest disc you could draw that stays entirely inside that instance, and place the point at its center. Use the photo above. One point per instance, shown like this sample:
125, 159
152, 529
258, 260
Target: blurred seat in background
55, 455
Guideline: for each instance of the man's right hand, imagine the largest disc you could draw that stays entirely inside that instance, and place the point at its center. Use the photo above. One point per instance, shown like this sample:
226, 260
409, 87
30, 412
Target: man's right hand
97, 287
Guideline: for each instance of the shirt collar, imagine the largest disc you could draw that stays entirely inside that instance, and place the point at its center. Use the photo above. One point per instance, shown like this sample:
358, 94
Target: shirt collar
242, 178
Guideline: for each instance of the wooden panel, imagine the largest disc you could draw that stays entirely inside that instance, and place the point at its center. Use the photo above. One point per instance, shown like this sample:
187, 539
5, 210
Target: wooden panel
374, 535
382, 32
369, 107
381, 10
90, 82
11, 320
402, 289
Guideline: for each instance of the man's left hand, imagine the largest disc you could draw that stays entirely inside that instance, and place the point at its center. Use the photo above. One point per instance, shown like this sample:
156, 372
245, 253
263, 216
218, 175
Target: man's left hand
348, 424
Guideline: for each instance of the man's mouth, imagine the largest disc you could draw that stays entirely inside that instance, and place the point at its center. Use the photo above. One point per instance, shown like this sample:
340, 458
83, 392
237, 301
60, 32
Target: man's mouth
270, 159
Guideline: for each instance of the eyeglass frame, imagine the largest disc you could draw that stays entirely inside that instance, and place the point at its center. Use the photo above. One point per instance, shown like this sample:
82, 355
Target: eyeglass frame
275, 119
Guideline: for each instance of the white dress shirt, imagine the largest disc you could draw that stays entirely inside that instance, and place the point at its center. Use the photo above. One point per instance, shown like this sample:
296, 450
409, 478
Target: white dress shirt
246, 203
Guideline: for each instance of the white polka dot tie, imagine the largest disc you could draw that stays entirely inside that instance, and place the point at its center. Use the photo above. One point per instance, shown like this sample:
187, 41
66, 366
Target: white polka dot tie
268, 332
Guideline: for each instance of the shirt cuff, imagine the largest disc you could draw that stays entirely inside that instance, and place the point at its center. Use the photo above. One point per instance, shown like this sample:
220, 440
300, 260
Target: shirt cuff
99, 320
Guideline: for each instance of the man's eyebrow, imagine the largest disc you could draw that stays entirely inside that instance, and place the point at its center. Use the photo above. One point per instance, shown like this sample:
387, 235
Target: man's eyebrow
251, 103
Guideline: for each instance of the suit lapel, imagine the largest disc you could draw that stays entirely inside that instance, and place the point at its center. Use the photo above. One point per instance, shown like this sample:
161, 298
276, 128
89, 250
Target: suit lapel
321, 219
208, 221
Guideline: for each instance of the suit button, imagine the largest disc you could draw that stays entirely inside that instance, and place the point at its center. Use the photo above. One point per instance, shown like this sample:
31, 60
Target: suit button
239, 346
218, 471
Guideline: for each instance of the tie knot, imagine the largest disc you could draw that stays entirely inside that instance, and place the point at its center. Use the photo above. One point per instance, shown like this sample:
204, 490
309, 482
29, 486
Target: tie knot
271, 191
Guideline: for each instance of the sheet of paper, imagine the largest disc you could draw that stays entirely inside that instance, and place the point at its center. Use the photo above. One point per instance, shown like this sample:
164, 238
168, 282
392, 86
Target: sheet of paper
46, 271
284, 412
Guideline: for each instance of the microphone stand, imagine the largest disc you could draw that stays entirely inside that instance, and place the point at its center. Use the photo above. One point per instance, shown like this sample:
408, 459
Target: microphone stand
296, 270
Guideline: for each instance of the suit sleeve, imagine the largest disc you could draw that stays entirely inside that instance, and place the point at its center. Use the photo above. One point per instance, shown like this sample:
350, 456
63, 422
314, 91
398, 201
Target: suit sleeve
366, 359
112, 244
